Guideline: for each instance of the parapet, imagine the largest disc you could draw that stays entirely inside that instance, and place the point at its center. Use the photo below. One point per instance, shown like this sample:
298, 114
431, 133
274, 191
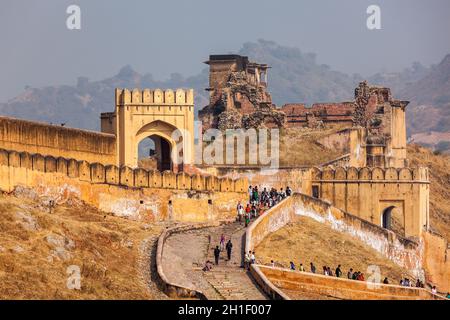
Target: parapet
370, 174
155, 97
97, 173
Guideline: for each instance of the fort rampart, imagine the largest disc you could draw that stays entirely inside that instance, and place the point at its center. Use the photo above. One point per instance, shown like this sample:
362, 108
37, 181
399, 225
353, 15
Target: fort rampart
57, 141
131, 193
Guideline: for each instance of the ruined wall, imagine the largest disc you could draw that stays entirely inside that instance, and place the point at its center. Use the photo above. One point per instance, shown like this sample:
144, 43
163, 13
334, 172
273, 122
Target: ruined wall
367, 192
136, 194
57, 141
319, 114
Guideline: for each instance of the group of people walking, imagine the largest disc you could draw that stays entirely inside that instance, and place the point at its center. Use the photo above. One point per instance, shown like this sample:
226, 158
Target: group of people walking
353, 275
259, 201
408, 283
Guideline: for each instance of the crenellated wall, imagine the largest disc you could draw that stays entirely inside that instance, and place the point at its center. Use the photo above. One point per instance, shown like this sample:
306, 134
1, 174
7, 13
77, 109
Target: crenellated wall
131, 193
368, 192
114, 175
157, 113
57, 141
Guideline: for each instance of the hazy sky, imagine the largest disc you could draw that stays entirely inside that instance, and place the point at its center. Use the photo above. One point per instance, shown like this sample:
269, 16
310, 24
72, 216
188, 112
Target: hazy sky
166, 36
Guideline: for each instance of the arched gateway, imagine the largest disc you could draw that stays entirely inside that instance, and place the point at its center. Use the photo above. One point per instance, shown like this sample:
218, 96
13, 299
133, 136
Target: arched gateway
164, 116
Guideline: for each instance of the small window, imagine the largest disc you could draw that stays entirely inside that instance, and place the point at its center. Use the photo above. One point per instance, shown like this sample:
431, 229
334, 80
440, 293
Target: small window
315, 191
380, 110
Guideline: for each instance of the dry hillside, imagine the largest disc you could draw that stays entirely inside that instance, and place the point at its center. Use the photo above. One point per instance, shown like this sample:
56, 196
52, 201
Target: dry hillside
300, 147
37, 246
307, 240
440, 186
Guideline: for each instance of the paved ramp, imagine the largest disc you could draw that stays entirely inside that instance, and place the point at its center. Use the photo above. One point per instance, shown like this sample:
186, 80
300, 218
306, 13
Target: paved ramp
185, 254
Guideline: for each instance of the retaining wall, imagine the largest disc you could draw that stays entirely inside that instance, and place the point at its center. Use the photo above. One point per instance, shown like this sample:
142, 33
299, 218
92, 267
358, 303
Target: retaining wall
427, 257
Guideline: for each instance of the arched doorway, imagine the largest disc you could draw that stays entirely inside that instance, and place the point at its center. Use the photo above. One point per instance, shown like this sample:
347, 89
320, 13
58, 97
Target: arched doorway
154, 152
142, 113
386, 218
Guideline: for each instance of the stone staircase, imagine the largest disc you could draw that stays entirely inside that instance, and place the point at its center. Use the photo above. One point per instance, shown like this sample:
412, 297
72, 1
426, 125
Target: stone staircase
186, 252
229, 279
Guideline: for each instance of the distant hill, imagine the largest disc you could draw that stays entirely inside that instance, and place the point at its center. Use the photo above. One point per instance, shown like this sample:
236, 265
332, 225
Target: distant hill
428, 90
398, 81
80, 105
294, 76
297, 77
430, 99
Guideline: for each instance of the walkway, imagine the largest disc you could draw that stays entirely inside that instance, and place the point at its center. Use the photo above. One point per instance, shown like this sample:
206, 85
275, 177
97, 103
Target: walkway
185, 255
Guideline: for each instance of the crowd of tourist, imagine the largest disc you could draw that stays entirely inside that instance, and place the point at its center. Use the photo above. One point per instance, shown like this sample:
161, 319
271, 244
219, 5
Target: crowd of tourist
260, 201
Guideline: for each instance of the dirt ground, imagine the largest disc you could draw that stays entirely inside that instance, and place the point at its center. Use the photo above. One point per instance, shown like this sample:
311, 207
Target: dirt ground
42, 251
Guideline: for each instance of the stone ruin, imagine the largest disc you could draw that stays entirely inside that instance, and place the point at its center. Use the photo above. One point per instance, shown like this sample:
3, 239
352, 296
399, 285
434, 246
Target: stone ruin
239, 96
239, 99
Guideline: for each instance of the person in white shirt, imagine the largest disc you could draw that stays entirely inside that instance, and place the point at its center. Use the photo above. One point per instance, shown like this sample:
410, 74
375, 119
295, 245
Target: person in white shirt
247, 260
240, 213
252, 258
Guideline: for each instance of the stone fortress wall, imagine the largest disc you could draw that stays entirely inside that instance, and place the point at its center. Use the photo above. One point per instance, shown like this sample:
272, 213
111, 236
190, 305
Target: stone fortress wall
369, 193
121, 176
36, 137
131, 193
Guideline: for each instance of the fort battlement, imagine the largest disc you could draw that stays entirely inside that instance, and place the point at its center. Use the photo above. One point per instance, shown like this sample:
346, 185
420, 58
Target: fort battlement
369, 174
394, 198
155, 97
97, 173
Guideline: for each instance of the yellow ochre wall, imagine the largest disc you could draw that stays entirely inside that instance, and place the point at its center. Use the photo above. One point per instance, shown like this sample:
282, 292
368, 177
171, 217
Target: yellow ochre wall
141, 113
35, 137
366, 192
132, 193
